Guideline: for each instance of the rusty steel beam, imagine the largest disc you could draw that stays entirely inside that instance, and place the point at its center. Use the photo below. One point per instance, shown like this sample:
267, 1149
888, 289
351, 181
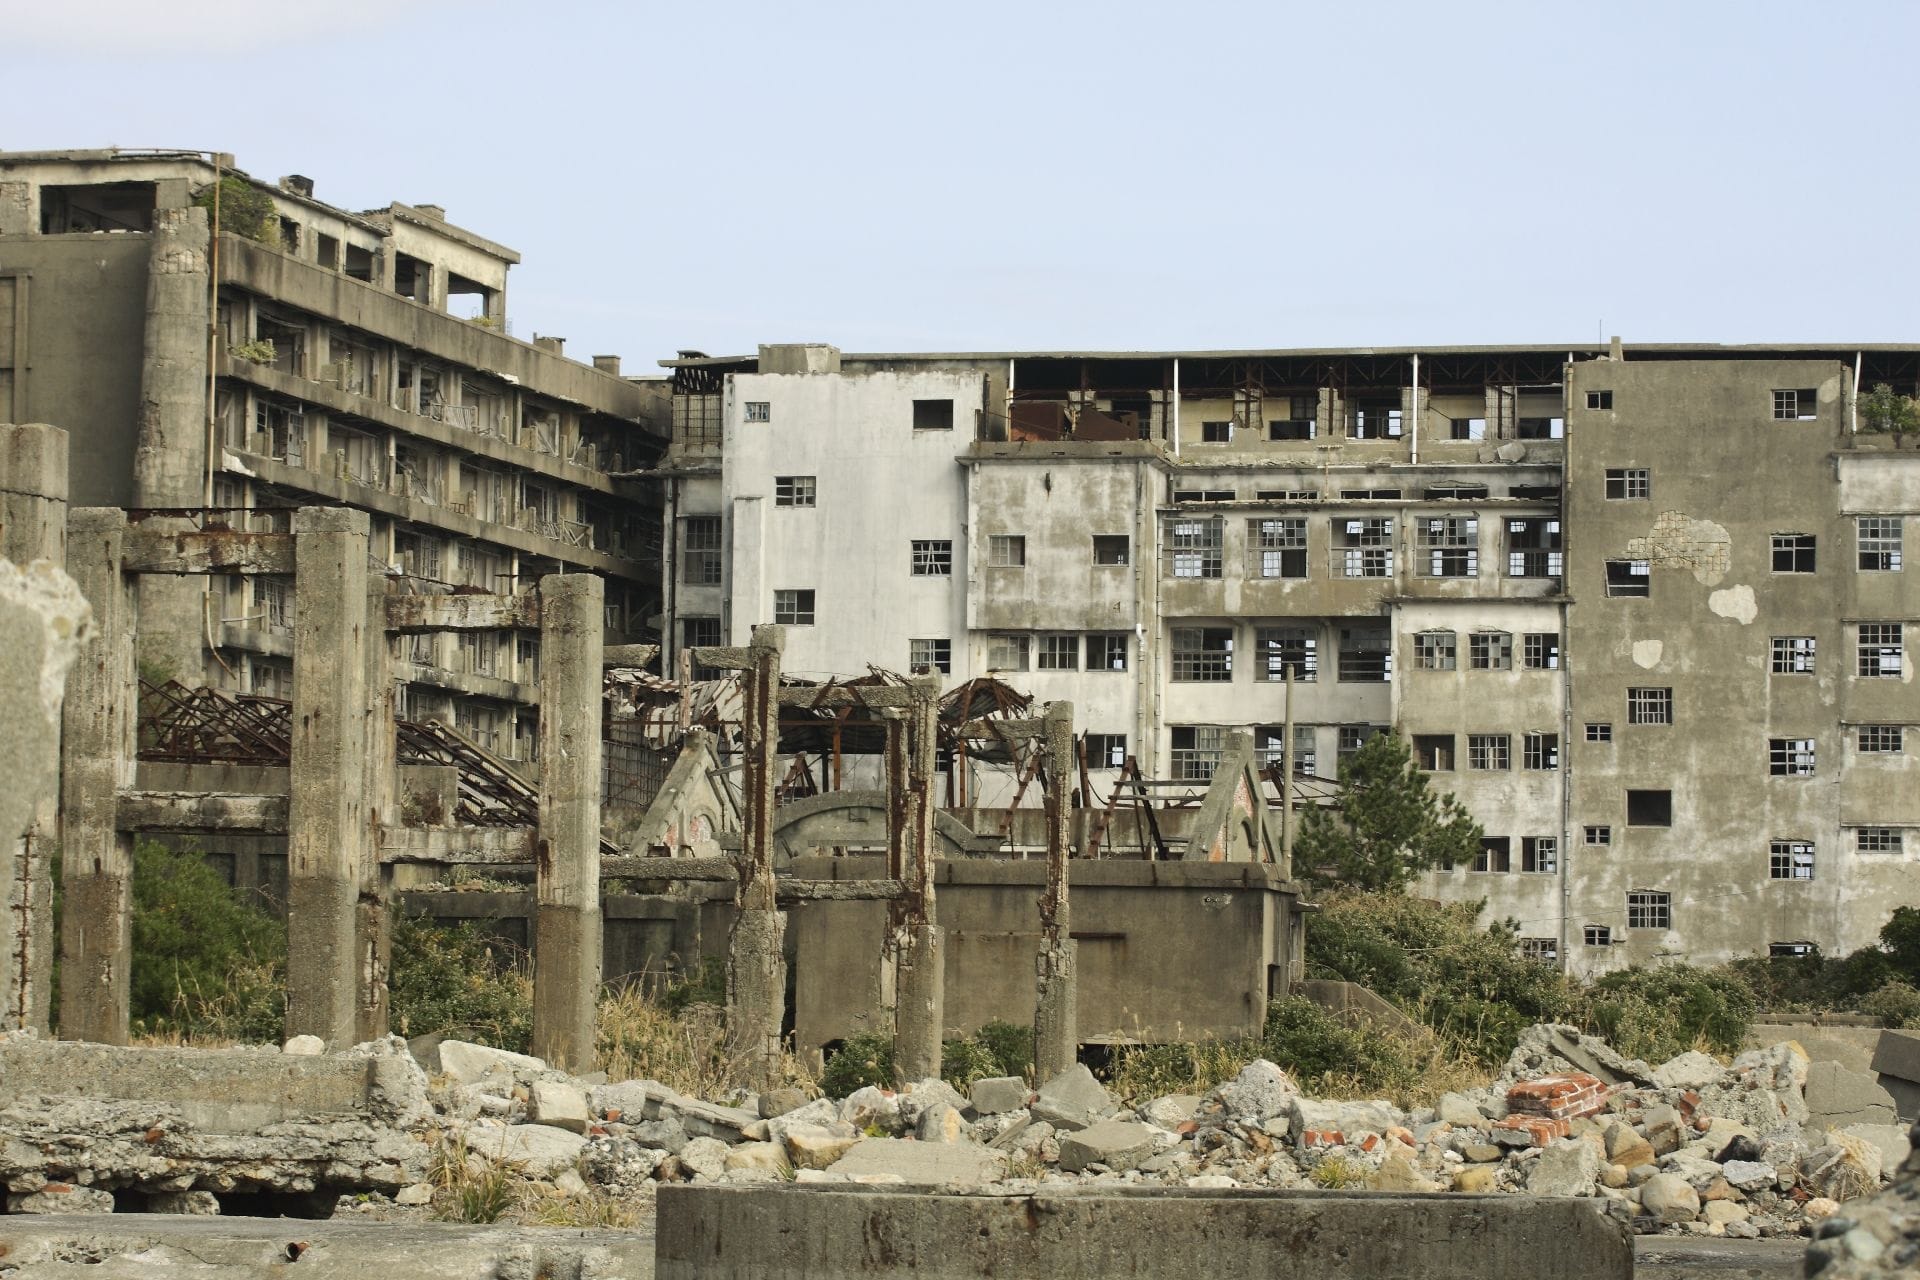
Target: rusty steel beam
200, 551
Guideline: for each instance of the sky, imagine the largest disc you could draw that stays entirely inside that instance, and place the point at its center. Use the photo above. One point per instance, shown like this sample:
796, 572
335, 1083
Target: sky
1035, 176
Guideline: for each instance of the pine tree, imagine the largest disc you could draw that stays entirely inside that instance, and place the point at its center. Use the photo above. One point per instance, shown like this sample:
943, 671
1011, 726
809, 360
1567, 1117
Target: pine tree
1390, 824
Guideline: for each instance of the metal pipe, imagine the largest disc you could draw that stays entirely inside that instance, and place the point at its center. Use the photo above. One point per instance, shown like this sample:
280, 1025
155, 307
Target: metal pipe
1853, 410
1413, 427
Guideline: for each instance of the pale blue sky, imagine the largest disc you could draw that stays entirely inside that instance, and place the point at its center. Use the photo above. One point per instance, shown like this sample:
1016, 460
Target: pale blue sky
1032, 176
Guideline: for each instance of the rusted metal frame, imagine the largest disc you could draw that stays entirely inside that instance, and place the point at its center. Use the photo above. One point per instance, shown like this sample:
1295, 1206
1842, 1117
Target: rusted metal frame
199, 726
1105, 820
1153, 823
1027, 772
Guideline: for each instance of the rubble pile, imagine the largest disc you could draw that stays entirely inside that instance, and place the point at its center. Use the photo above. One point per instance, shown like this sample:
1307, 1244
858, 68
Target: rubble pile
1768, 1145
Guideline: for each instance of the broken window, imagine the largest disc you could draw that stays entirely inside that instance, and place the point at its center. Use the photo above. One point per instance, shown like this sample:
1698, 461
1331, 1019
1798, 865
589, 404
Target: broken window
1468, 428
1491, 751
1284, 649
758, 411
1599, 399
359, 263
1793, 553
1790, 757
1542, 651
1540, 751
1216, 432
1300, 422
932, 558
701, 633
1650, 706
1880, 650
927, 656
1540, 854
1007, 550
1879, 541
1490, 651
1597, 935
1629, 578
1106, 750
1371, 495
1285, 495
412, 278
1598, 835
1649, 808
272, 599
1107, 651
1540, 428
700, 550
1112, 548
1599, 731
1533, 548
1193, 546
1881, 738
1629, 482
1006, 653
1196, 751
1355, 736
1366, 654
794, 491
99, 206
933, 415
1496, 854
1203, 654
1790, 860
1058, 653
1203, 495
793, 607
1798, 405
326, 251
1879, 840
1649, 909
1449, 546
1791, 950
1374, 418
1363, 548
1445, 492
1433, 752
1793, 655
1278, 547
1269, 745
1433, 650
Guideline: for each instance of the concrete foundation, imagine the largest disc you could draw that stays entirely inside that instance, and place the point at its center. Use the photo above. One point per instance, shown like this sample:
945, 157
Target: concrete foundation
769, 1233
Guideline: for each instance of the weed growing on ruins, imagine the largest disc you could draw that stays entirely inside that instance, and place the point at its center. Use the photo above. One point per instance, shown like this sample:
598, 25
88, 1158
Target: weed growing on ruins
1337, 1173
210, 966
997, 1049
861, 1060
1011, 1047
1658, 1013
458, 982
469, 1187
245, 210
644, 1039
593, 1210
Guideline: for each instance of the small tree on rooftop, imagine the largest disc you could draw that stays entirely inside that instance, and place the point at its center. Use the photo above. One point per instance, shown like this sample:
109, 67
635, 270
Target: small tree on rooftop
1390, 825
1886, 412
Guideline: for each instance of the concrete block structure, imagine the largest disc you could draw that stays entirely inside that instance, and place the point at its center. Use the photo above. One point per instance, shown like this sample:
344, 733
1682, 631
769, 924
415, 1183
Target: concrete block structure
1642, 608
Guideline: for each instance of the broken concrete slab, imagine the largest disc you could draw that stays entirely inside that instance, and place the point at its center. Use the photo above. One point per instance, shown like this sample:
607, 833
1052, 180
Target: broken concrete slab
1893, 1141
997, 1095
1072, 1100
539, 1150
469, 1063
927, 1164
1837, 1097
1118, 1144
558, 1104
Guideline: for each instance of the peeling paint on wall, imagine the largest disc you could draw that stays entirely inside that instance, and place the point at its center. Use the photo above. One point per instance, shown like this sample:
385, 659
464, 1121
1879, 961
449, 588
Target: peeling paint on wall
1677, 541
1735, 602
1646, 653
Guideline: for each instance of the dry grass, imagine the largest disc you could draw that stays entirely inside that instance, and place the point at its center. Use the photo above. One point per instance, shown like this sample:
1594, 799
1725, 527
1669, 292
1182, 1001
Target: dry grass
640, 1038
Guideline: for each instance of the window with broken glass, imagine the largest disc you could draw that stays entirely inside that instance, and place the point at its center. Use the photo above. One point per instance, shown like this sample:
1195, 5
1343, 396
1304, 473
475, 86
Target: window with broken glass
1449, 546
1278, 547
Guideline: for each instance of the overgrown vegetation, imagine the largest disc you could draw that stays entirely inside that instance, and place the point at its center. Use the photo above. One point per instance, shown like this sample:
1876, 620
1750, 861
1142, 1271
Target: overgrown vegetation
1391, 824
456, 981
210, 966
245, 209
1886, 412
997, 1049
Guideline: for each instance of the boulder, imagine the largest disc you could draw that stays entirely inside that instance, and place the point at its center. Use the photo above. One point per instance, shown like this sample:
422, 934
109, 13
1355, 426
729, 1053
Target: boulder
778, 1102
469, 1063
869, 1108
664, 1135
1626, 1146
1670, 1198
1072, 1100
1748, 1175
1720, 1212
759, 1161
704, 1157
538, 1150
815, 1146
819, 1113
558, 1104
1837, 1097
620, 1166
1458, 1109
921, 1163
1117, 1144
997, 1095
1664, 1130
1890, 1140
1475, 1179
1569, 1167
1313, 1122
922, 1096
1171, 1111
412, 1195
305, 1046
940, 1123
1260, 1092
1691, 1070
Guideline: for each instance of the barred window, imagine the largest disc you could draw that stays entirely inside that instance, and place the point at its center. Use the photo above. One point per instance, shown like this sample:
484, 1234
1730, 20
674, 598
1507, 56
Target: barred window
700, 550
1543, 651
759, 411
1058, 653
1006, 550
1533, 549
930, 655
1283, 649
1363, 548
1629, 483
1600, 835
1449, 546
1192, 547
1488, 751
1879, 542
1540, 854
1629, 579
1366, 654
1800, 405
1879, 840
1879, 739
1433, 650
1790, 860
793, 491
1790, 757
1490, 651
1649, 909
1880, 650
1597, 935
1107, 651
1650, 706
1793, 553
1793, 655
1540, 751
932, 558
1203, 654
1106, 750
793, 608
1599, 731
1196, 751
1006, 653
1278, 547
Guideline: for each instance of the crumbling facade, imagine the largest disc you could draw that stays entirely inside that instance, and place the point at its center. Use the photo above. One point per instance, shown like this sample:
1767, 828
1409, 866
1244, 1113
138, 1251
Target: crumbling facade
1461, 543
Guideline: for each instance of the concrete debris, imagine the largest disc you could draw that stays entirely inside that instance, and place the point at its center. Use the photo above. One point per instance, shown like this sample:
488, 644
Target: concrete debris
559, 1105
467, 1063
1072, 1100
1875, 1237
997, 1095
1119, 1145
1837, 1097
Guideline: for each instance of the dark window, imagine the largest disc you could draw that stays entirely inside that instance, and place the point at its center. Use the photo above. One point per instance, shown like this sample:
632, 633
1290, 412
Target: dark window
1192, 547
1597, 935
1790, 950
1366, 654
1790, 860
925, 656
1203, 654
1007, 550
793, 608
793, 491
1649, 808
1490, 651
1106, 750
1629, 482
1449, 546
1540, 854
1445, 492
1793, 655
1196, 751
932, 558
1542, 651
1879, 840
1649, 909
1363, 548
1434, 651
1216, 432
1599, 399
1112, 548
1599, 731
1790, 757
1467, 428
1882, 739
1107, 651
1650, 706
1541, 428
1540, 751
1629, 578
933, 415
1434, 751
1793, 553
1283, 649
1496, 854
1277, 548
1057, 653
1879, 543
1799, 405
1600, 835
1533, 548
101, 206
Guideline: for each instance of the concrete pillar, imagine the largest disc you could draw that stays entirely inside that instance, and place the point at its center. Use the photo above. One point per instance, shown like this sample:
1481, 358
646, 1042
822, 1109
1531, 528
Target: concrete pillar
373, 944
566, 930
920, 991
756, 960
33, 493
96, 937
1056, 1034
170, 458
329, 823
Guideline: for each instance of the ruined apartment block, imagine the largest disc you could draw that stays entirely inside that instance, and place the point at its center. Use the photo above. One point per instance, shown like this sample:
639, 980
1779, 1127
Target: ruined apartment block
272, 351
1642, 608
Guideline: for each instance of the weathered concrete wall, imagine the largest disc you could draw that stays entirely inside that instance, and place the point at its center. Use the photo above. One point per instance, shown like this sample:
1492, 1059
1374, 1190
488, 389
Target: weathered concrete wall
713, 1233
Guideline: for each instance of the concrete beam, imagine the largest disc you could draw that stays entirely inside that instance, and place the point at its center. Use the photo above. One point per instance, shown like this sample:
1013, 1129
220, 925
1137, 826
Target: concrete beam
416, 615
567, 937
97, 754
197, 551
1008, 730
631, 655
142, 811
459, 845
782, 1232
330, 825
824, 696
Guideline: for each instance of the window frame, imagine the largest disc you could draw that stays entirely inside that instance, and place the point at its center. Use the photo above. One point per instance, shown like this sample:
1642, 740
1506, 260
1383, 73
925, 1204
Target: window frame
1196, 656
756, 411
1884, 544
801, 607
710, 556
1634, 484
1363, 547
1599, 731
1277, 547
1790, 859
1436, 651
1193, 547
1006, 551
1874, 644
1489, 753
1880, 739
1792, 757
1273, 655
1794, 553
796, 491
938, 654
1106, 641
1649, 909
1449, 546
1056, 651
1490, 651
930, 557
1792, 655
1629, 579
1102, 556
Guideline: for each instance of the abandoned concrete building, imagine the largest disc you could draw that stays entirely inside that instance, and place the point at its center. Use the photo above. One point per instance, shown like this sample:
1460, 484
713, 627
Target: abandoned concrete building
1642, 608
356, 359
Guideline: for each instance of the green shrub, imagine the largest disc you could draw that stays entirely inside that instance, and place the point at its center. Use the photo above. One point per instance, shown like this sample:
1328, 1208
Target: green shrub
1011, 1047
706, 984
455, 981
1657, 1013
206, 964
245, 210
1139, 1072
1896, 1003
861, 1060
965, 1060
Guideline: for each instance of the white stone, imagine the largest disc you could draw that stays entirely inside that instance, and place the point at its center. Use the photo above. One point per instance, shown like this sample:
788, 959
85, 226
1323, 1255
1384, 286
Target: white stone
469, 1063
305, 1046
815, 1146
417, 1193
558, 1104
540, 1150
761, 1158
705, 1157
1568, 1167
1691, 1070
1670, 1198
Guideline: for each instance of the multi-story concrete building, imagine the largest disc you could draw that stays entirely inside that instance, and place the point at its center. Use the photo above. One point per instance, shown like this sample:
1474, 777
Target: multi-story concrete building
214, 341
1640, 608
